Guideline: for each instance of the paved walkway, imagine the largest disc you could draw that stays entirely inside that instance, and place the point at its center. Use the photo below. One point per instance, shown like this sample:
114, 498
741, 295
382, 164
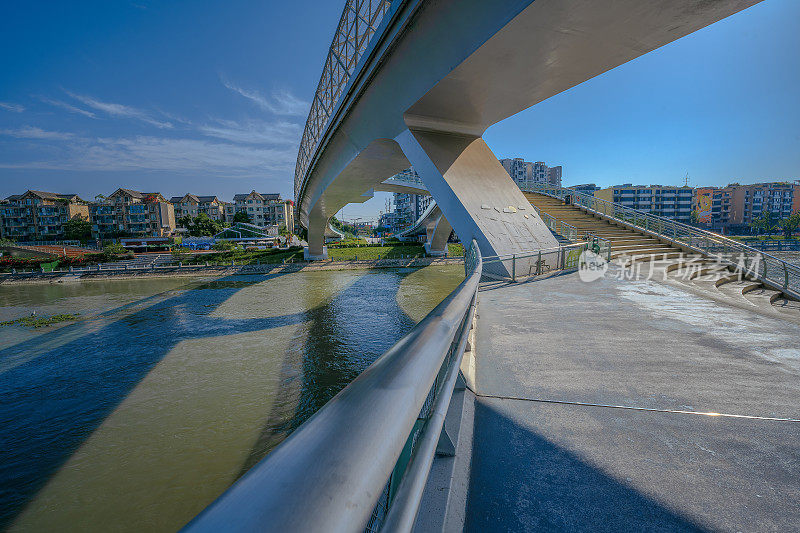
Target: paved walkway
586, 416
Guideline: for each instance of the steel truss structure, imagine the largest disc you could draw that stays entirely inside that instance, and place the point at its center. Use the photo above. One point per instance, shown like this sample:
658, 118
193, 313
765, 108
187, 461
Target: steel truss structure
360, 19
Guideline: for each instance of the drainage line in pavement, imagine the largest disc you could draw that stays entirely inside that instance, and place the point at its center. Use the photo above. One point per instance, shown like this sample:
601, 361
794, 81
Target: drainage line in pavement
630, 408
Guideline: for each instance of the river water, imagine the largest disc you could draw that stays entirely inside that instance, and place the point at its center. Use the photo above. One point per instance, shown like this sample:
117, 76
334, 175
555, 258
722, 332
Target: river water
165, 391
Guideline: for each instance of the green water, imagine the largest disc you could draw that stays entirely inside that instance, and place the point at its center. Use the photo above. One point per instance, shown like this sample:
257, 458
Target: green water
142, 412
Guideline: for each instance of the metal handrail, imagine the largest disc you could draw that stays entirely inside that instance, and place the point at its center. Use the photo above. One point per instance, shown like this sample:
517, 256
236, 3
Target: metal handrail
770, 270
561, 258
598, 244
369, 444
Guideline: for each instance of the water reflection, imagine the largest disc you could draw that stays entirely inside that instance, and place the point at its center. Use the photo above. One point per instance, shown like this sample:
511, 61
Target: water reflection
140, 422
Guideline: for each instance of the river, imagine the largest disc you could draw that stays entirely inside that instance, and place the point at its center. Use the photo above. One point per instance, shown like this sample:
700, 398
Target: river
165, 391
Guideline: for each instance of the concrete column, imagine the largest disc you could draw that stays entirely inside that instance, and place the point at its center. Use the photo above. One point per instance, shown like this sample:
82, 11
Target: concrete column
476, 195
316, 249
438, 233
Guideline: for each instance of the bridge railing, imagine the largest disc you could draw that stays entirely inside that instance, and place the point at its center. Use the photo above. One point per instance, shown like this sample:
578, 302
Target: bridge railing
768, 269
535, 263
361, 462
596, 243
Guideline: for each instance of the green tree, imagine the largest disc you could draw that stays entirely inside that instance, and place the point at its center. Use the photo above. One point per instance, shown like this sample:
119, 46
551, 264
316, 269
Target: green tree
790, 225
283, 230
203, 226
694, 217
242, 216
223, 245
184, 222
78, 229
113, 249
766, 223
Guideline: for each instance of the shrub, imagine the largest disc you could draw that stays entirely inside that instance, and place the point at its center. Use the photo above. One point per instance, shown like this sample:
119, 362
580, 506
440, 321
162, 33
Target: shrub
114, 249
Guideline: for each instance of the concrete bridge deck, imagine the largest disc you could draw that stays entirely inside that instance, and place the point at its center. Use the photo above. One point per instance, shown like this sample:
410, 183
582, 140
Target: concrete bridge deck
587, 411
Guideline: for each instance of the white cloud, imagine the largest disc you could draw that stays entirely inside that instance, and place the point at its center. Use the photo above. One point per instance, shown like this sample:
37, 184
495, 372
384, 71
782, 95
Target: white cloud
254, 132
280, 103
68, 107
8, 106
30, 132
119, 110
178, 155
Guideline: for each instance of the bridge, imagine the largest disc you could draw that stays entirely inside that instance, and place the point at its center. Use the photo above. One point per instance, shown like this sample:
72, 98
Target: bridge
599, 368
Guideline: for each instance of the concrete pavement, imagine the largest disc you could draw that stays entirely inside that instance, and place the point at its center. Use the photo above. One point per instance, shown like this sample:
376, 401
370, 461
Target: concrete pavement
586, 416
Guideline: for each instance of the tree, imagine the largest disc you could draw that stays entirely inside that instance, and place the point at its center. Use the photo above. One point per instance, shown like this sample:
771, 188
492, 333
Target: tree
764, 224
283, 230
184, 222
78, 229
695, 217
203, 226
790, 224
242, 216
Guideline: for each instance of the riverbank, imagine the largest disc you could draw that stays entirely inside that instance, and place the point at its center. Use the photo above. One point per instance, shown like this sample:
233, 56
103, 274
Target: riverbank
219, 270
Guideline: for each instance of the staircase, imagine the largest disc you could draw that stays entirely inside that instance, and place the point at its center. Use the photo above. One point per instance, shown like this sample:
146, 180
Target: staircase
663, 260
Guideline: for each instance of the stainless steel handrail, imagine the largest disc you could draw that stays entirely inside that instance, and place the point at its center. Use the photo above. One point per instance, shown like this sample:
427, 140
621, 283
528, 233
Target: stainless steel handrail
770, 270
330, 473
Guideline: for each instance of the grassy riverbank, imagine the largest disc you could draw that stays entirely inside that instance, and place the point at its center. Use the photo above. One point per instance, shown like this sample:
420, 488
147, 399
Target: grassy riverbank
344, 253
40, 321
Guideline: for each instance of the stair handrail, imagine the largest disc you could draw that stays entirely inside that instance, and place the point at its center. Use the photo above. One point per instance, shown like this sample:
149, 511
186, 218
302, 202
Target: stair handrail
782, 275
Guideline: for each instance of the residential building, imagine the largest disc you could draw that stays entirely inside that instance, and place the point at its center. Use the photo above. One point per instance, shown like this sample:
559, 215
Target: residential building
736, 206
526, 174
264, 209
665, 201
39, 215
750, 202
393, 221
409, 207
585, 188
192, 205
132, 213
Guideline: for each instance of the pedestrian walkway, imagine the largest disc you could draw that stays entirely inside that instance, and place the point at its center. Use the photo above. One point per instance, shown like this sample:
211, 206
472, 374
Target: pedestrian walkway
632, 405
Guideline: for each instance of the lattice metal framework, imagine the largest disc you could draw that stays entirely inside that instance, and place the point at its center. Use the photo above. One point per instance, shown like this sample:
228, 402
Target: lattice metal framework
359, 21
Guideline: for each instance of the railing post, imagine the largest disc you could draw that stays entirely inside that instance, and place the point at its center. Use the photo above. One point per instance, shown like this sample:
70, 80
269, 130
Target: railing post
764, 261
539, 263
785, 275
514, 267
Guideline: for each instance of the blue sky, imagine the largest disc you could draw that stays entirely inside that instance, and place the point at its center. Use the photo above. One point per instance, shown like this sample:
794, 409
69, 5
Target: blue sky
211, 97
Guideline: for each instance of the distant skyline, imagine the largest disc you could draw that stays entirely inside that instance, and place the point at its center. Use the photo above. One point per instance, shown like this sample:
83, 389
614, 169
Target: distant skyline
211, 98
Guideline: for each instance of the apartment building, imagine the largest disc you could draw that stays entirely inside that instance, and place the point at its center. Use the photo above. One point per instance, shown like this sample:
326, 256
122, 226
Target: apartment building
410, 207
526, 173
192, 205
737, 206
665, 201
39, 215
132, 213
585, 188
751, 202
265, 209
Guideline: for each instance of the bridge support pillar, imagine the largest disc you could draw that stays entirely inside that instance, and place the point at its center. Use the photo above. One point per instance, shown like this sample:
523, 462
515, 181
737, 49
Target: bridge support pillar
316, 249
438, 234
476, 195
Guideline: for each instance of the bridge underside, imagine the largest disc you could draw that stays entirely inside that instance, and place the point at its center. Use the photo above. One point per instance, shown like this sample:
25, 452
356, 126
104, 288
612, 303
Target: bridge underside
426, 97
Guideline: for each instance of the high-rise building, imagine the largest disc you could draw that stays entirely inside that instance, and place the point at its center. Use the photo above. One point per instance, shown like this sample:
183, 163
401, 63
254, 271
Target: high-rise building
39, 215
525, 173
409, 207
737, 206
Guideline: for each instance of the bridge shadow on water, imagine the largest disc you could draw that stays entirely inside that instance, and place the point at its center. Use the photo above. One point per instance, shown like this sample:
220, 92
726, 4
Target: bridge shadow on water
521, 481
53, 401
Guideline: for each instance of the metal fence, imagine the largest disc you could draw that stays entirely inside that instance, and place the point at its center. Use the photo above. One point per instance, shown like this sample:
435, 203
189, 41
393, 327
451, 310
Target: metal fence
596, 243
770, 270
362, 461
534, 263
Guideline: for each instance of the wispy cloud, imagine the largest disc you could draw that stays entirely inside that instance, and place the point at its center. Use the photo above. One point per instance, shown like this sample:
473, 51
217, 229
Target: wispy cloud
165, 154
119, 110
30, 132
69, 107
8, 106
279, 103
254, 132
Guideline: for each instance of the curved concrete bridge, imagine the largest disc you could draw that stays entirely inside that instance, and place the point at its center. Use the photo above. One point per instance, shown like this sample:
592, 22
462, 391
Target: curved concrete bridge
418, 82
